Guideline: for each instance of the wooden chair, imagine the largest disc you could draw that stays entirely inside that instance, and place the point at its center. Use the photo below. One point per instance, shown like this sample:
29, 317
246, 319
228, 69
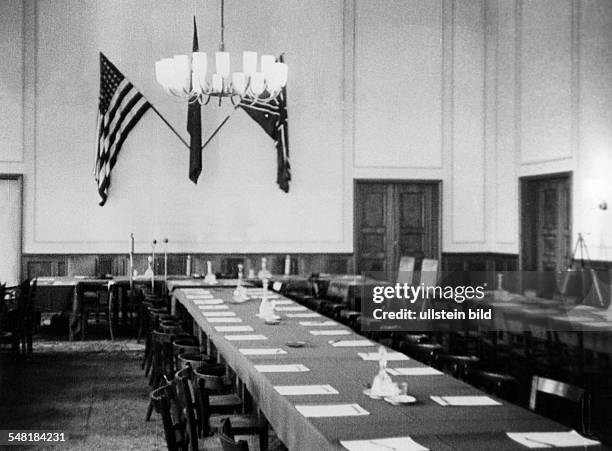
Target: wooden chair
17, 316
226, 436
94, 299
8, 317
501, 385
578, 416
186, 381
242, 424
455, 364
405, 272
178, 431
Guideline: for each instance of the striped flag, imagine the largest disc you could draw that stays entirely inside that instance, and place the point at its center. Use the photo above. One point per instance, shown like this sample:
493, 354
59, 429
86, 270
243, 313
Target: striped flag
272, 117
194, 126
121, 107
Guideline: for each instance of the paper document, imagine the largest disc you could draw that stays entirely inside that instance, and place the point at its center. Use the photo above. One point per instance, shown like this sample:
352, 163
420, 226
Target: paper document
318, 323
351, 343
465, 401
287, 390
330, 332
420, 371
233, 328
291, 368
376, 356
223, 320
245, 337
213, 313
551, 439
213, 307
207, 301
302, 315
331, 410
262, 351
383, 444
199, 296
284, 302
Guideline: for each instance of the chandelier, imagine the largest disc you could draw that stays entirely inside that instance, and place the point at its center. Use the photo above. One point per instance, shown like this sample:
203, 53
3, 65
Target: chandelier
187, 76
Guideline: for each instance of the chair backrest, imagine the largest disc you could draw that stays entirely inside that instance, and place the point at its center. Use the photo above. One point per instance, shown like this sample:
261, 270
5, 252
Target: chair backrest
166, 403
186, 396
226, 436
211, 382
561, 390
405, 273
429, 272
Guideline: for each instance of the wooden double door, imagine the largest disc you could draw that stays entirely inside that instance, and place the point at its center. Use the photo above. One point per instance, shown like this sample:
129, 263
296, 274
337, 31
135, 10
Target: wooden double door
546, 223
393, 219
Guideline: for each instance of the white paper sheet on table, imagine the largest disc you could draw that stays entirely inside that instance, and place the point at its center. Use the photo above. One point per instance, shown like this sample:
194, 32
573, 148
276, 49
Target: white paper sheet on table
233, 328
331, 410
465, 401
209, 314
291, 308
419, 371
284, 302
383, 444
302, 315
224, 320
351, 343
376, 356
248, 337
207, 301
298, 390
290, 368
213, 307
318, 323
199, 296
195, 292
262, 351
551, 439
330, 332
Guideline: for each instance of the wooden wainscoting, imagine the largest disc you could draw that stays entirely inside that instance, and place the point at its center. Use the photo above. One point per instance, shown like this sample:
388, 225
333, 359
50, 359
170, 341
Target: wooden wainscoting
39, 265
479, 261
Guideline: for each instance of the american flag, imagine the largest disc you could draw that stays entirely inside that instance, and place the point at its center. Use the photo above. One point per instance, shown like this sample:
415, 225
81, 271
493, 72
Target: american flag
272, 117
121, 107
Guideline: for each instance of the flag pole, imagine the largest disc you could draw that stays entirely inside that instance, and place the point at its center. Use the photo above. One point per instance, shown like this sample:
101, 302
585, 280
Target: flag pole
219, 127
168, 124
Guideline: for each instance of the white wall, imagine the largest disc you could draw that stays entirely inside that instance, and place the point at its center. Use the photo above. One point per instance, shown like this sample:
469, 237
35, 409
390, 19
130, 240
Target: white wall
475, 93
236, 206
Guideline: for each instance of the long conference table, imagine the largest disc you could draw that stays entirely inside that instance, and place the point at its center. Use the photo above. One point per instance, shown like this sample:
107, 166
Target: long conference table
264, 358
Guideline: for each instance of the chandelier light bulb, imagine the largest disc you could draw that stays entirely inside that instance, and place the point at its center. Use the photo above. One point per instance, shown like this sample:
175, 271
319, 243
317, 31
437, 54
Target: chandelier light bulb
239, 83
199, 65
249, 63
222, 63
278, 78
217, 83
257, 83
182, 72
267, 63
